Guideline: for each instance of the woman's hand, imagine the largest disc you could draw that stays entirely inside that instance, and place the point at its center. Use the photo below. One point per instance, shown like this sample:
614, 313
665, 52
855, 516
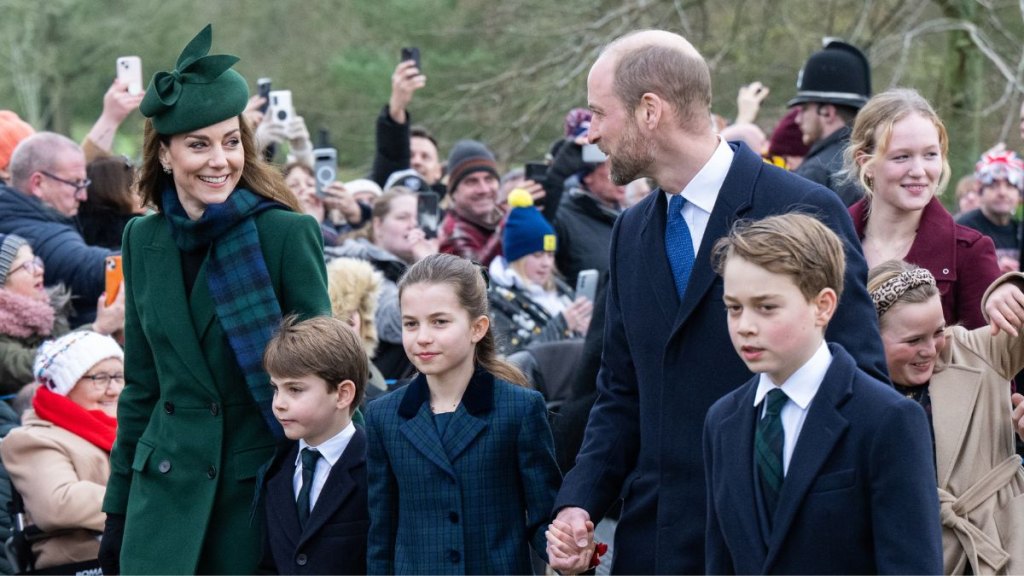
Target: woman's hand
577, 315
109, 319
421, 245
110, 544
1005, 308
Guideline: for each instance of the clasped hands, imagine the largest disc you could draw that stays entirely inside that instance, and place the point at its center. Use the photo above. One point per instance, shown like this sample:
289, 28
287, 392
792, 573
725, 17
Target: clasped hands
571, 541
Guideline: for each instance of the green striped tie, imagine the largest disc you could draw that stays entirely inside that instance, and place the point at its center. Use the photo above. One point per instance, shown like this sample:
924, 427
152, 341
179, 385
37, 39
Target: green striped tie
309, 458
768, 443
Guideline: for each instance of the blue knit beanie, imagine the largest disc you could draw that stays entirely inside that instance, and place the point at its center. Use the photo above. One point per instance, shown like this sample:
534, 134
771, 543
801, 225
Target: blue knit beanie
526, 230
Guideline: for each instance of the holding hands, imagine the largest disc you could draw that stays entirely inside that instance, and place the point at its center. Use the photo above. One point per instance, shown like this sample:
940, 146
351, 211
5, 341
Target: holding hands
571, 541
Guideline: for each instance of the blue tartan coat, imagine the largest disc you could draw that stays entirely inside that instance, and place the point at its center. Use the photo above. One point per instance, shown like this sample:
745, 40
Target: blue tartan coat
472, 503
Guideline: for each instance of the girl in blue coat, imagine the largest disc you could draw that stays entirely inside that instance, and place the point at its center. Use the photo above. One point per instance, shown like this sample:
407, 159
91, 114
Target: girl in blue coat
461, 464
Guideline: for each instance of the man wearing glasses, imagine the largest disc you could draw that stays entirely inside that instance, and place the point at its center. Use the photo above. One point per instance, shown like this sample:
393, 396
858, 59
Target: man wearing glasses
47, 185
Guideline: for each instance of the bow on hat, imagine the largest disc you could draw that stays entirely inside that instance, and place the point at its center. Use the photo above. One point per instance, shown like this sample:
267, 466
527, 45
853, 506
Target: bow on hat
195, 66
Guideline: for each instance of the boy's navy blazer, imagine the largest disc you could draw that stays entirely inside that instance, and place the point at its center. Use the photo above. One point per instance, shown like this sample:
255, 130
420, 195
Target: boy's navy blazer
471, 503
859, 496
665, 362
334, 538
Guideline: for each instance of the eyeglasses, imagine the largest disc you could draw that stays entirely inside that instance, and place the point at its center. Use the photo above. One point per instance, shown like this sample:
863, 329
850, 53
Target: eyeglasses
31, 266
103, 380
77, 184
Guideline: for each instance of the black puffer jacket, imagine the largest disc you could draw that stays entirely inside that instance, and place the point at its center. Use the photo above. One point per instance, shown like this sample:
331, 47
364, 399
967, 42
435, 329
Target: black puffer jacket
584, 232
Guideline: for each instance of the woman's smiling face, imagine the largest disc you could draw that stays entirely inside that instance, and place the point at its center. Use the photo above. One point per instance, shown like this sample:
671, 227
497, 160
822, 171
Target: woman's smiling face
206, 164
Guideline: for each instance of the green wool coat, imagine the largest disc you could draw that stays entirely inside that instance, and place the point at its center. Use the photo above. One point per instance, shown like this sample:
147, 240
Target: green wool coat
190, 438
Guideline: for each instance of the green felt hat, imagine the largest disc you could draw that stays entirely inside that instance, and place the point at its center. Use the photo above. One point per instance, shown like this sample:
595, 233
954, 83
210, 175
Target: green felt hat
201, 90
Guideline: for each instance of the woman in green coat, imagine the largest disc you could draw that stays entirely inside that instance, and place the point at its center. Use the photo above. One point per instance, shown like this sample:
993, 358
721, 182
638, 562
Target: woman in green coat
208, 278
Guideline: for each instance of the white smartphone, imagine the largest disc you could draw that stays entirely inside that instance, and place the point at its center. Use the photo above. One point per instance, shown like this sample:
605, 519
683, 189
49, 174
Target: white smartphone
325, 168
586, 284
281, 111
129, 71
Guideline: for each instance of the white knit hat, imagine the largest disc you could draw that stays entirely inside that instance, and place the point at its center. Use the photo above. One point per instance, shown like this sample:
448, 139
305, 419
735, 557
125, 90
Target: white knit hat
61, 363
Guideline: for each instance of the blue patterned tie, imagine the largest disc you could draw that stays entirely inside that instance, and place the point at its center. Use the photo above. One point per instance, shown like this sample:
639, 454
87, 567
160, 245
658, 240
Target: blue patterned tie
678, 244
768, 441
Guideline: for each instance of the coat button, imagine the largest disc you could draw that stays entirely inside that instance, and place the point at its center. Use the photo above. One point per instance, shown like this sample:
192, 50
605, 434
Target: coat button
301, 559
214, 408
454, 556
211, 472
164, 467
454, 517
945, 270
169, 407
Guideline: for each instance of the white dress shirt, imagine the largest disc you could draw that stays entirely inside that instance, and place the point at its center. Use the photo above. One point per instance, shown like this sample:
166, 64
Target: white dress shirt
800, 388
330, 451
702, 192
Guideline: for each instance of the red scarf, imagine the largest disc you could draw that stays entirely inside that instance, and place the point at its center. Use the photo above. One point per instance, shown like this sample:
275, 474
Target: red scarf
92, 425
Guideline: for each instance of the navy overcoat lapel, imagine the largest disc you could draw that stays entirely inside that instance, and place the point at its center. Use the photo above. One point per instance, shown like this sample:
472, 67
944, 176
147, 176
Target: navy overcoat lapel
280, 495
822, 430
339, 486
738, 470
652, 237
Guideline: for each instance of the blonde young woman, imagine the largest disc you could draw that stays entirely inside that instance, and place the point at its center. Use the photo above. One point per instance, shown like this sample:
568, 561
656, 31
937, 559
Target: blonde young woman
898, 152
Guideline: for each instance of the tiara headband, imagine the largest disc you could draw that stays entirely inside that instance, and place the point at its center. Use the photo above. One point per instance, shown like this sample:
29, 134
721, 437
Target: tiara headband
892, 289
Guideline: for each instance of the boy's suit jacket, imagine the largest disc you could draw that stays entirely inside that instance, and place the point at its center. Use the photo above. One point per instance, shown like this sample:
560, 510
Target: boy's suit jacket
859, 496
334, 538
470, 504
665, 362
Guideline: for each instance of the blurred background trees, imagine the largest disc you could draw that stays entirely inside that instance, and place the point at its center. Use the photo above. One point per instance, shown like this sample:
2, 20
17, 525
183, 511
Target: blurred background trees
506, 72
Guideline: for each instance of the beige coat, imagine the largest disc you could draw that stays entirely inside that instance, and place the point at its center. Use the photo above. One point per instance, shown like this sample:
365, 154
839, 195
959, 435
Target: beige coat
981, 483
62, 478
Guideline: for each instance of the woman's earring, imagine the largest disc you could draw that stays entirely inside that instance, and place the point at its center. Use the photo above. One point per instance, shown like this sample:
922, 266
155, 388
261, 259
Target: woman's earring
167, 169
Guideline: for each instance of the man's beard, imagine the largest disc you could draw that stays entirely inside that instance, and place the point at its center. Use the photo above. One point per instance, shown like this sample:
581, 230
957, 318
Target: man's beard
633, 159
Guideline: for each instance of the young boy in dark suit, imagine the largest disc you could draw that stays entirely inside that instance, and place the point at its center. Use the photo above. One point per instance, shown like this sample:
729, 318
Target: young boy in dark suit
812, 466
316, 510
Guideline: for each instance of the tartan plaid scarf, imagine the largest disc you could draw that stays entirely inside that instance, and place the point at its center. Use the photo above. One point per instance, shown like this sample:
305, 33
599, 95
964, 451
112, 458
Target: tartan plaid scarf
239, 282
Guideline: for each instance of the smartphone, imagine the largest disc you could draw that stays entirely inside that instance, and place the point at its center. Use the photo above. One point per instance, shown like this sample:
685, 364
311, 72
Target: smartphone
411, 53
428, 212
592, 154
114, 277
536, 171
129, 71
263, 88
281, 111
586, 284
325, 168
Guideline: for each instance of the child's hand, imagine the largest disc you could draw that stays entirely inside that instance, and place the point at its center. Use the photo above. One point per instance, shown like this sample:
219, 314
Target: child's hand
564, 551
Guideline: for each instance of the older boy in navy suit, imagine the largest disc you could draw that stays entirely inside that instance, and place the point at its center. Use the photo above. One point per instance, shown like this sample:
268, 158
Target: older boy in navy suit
317, 516
812, 466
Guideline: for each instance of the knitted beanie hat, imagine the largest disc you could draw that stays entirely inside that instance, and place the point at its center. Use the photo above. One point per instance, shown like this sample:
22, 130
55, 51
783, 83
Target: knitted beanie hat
12, 131
467, 157
1002, 165
526, 230
408, 178
787, 138
61, 363
9, 245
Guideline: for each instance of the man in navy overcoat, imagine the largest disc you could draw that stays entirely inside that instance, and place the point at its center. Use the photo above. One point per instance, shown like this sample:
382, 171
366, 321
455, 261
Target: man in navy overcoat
666, 360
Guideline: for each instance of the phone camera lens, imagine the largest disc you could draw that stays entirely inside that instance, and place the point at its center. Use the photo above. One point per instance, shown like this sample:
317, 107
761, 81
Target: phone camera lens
282, 115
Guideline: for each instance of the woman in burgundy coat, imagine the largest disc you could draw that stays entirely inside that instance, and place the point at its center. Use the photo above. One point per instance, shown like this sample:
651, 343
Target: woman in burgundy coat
898, 152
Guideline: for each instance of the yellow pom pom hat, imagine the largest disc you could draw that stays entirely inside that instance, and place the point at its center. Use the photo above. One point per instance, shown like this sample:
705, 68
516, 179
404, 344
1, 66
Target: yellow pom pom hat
526, 230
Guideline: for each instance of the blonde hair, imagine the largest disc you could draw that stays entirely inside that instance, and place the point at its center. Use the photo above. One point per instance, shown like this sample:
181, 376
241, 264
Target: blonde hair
353, 286
381, 208
322, 346
467, 280
520, 267
796, 245
258, 176
872, 133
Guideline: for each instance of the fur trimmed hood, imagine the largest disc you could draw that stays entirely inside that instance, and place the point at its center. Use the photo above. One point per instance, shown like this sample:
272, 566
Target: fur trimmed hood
353, 286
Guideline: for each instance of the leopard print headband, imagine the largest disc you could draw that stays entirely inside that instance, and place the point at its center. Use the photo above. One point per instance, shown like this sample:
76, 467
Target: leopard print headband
892, 289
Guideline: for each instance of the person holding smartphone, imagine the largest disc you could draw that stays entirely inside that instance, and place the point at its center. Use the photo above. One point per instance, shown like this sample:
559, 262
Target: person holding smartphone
209, 276
529, 302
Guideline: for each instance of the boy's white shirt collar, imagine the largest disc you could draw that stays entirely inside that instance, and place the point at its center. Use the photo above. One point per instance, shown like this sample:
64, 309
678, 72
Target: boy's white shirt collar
803, 384
331, 449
